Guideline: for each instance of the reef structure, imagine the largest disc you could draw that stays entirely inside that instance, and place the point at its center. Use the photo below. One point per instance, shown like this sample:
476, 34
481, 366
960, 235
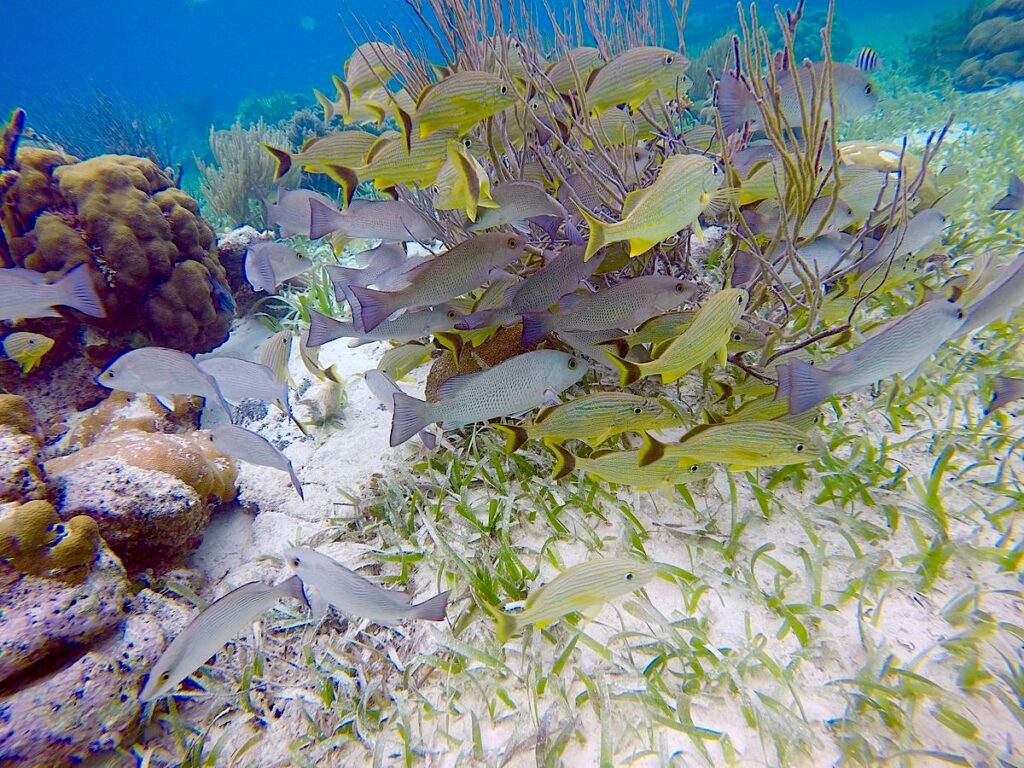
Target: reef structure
995, 46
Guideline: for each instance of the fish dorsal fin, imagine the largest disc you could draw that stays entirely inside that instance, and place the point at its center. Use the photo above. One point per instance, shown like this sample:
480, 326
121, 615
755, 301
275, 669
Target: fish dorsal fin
651, 451
1016, 186
695, 431
422, 94
543, 413
344, 94
604, 452
378, 146
451, 387
404, 121
309, 143
591, 77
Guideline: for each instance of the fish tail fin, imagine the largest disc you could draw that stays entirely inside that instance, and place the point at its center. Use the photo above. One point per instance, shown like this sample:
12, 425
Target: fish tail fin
1014, 197
322, 220
598, 233
79, 293
295, 482
282, 159
515, 436
326, 104
411, 416
565, 461
803, 384
651, 451
619, 346
536, 325
628, 370
346, 178
507, 624
323, 329
733, 103
434, 609
341, 276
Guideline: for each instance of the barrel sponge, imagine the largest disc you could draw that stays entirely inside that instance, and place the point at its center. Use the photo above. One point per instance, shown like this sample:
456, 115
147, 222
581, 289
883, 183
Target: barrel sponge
34, 540
155, 257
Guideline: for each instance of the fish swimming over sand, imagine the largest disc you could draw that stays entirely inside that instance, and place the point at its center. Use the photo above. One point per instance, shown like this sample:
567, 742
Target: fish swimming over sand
393, 221
897, 348
247, 446
384, 388
161, 372
740, 444
25, 294
633, 75
579, 588
1013, 200
1004, 391
408, 326
326, 581
26, 349
623, 468
220, 621
466, 266
240, 380
399, 361
1001, 299
518, 384
267, 265
276, 352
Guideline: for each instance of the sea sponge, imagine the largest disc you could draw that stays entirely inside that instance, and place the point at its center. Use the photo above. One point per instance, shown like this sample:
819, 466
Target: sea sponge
33, 540
156, 264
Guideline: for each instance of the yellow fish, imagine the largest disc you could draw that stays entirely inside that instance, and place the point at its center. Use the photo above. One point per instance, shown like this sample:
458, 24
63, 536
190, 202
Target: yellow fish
686, 185
633, 75
462, 183
340, 148
740, 444
571, 72
623, 468
399, 361
460, 101
275, 353
371, 65
26, 349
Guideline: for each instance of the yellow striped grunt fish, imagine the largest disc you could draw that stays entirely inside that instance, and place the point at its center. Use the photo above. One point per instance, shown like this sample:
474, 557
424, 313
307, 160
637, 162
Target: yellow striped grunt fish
593, 419
707, 335
275, 353
581, 587
399, 361
347, 148
623, 468
571, 72
633, 75
462, 183
373, 64
741, 445
26, 349
686, 185
460, 101
773, 409
661, 330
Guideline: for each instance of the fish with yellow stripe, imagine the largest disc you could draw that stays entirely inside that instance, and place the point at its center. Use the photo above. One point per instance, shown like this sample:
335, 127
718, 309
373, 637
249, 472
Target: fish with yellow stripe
580, 588
686, 186
740, 445
707, 335
633, 75
773, 409
460, 101
661, 330
462, 183
571, 72
26, 349
346, 148
624, 468
372, 64
593, 419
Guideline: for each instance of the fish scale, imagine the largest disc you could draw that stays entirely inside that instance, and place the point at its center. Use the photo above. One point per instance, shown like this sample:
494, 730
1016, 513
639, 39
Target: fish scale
389, 162
584, 60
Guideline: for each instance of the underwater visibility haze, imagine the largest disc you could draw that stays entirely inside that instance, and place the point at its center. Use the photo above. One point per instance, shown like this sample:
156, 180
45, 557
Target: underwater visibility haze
444, 382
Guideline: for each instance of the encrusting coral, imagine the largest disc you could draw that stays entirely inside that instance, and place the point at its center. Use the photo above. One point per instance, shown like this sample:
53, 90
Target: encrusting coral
35, 541
155, 257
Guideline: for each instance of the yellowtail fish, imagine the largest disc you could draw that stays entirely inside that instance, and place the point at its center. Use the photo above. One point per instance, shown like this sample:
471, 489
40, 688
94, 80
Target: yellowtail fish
593, 419
290, 212
707, 335
346, 148
327, 582
1013, 200
741, 445
623, 468
215, 625
1004, 391
372, 64
275, 353
624, 305
399, 361
1001, 298
161, 372
247, 446
408, 326
460, 101
369, 107
853, 95
384, 389
462, 183
633, 75
393, 221
571, 73
686, 185
25, 294
517, 202
519, 384
579, 588
466, 266
267, 265
897, 348
26, 349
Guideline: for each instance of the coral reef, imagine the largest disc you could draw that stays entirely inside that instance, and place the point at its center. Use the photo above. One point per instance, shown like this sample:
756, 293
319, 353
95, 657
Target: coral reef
34, 541
20, 475
995, 46
155, 256
717, 57
935, 53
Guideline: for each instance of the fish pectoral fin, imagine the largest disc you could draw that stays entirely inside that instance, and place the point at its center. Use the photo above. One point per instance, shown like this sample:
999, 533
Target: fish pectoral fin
165, 401
698, 231
551, 397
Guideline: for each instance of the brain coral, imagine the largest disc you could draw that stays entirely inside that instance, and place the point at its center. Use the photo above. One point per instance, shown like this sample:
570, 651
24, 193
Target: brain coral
153, 251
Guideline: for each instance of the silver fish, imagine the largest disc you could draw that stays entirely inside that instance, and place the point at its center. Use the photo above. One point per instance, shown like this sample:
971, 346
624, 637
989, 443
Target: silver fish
1004, 391
251, 448
1001, 299
466, 266
899, 347
624, 306
161, 372
519, 384
240, 380
267, 265
25, 294
393, 221
206, 634
384, 388
922, 233
1013, 200
381, 259
406, 327
328, 581
290, 214
518, 201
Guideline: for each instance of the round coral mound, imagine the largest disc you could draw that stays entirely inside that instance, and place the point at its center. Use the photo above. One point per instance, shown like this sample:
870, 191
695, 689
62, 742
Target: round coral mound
154, 254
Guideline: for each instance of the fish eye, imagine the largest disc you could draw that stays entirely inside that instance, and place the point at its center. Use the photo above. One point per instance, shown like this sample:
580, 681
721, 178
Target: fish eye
572, 363
504, 89
799, 447
959, 314
669, 59
437, 189
694, 468
165, 677
467, 143
867, 89
680, 288
739, 301
629, 576
638, 410
636, 156
296, 562
513, 242
451, 314
737, 337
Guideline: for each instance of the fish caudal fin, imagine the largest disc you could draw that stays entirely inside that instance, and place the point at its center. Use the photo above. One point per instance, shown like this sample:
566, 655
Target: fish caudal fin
323, 329
327, 104
598, 233
78, 292
565, 461
295, 481
628, 370
374, 306
651, 451
1014, 198
536, 325
283, 160
323, 220
411, 416
803, 384
346, 178
515, 436
733, 103
507, 623
434, 609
